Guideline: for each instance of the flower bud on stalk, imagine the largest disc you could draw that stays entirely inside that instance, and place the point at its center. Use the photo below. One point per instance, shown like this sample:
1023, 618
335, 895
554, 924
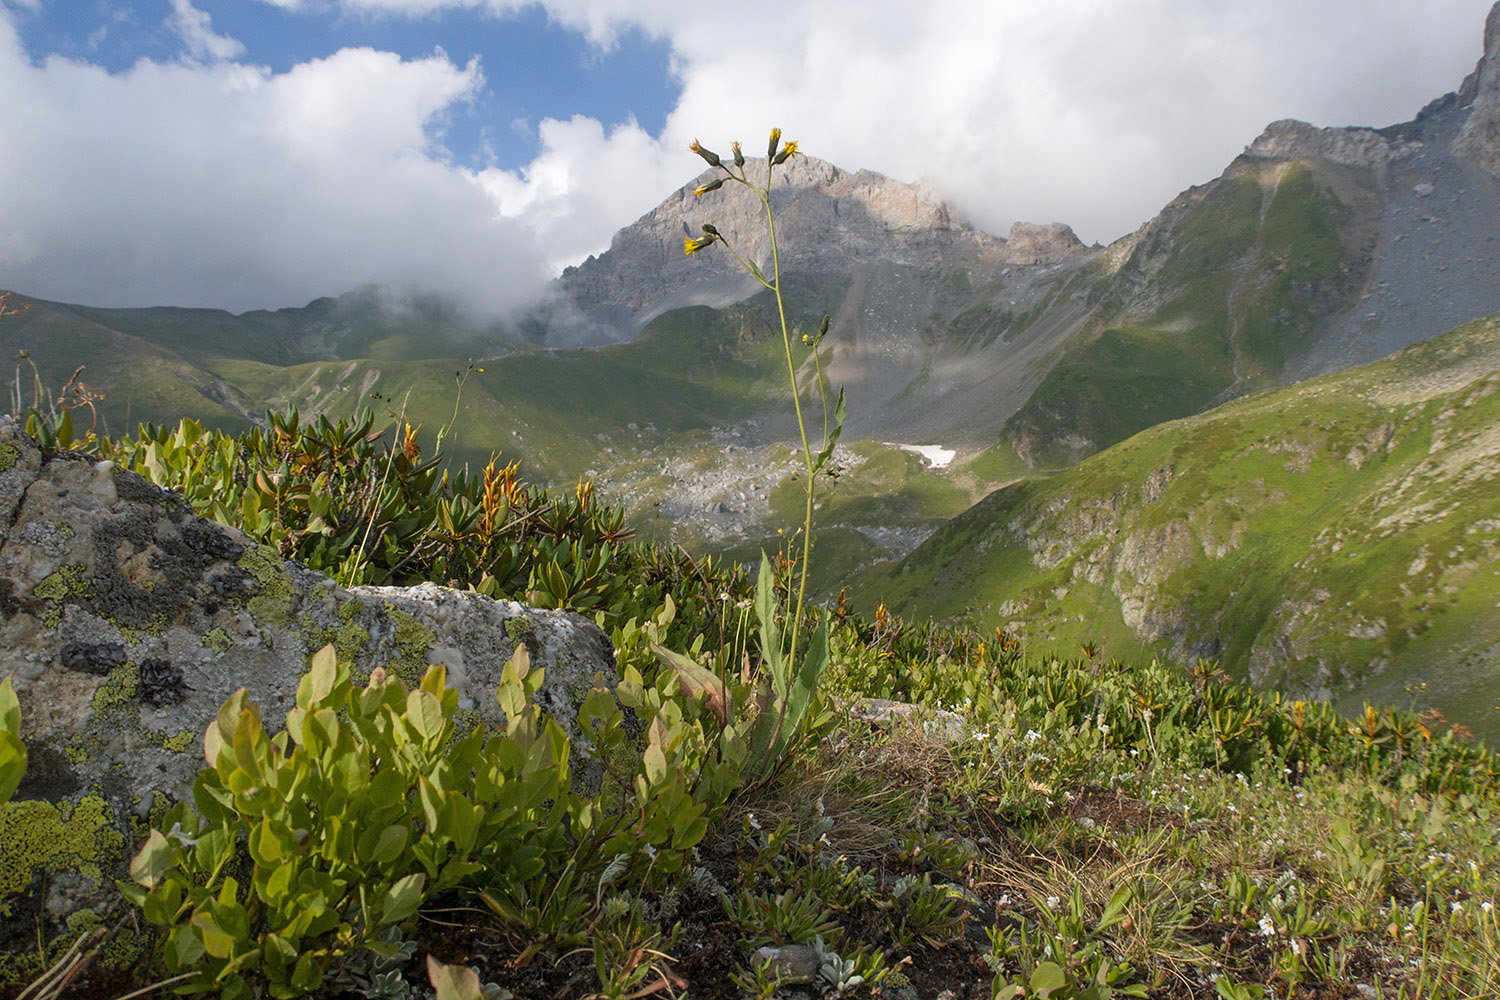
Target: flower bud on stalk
775, 142
739, 157
709, 156
787, 152
703, 189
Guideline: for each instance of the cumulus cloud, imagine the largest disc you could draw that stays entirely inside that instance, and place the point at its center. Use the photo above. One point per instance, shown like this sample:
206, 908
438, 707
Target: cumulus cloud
209, 181
232, 186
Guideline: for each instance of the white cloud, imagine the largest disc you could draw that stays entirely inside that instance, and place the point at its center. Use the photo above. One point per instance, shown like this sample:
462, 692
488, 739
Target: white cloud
232, 186
195, 28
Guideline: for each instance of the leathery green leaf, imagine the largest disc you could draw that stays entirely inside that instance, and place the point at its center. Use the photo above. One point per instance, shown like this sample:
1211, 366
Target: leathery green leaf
10, 708
154, 858
425, 713
323, 674
402, 899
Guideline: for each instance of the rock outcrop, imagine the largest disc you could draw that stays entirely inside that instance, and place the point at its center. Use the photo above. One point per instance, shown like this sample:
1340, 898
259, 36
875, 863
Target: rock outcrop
1290, 139
1479, 140
1031, 244
126, 620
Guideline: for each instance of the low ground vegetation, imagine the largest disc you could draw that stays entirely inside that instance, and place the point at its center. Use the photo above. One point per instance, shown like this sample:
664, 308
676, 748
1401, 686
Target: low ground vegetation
1078, 827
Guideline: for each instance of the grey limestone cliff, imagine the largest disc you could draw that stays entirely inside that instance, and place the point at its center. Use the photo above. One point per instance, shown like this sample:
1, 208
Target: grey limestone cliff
828, 220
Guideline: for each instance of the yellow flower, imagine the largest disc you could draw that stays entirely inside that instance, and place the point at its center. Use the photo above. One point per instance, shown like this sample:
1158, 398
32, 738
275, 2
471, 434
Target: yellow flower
775, 141
787, 152
691, 246
712, 185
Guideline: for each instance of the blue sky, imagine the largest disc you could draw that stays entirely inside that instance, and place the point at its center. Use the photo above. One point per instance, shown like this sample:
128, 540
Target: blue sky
534, 67
261, 153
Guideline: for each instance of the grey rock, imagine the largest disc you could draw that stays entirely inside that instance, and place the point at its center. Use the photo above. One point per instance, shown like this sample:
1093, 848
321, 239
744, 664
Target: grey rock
1289, 139
126, 620
1032, 244
1479, 139
884, 713
794, 963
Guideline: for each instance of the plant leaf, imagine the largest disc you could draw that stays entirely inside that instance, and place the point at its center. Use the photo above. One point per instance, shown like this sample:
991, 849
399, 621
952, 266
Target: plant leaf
453, 982
154, 858
833, 434
697, 680
425, 713
805, 684
1047, 978
402, 899
10, 708
770, 635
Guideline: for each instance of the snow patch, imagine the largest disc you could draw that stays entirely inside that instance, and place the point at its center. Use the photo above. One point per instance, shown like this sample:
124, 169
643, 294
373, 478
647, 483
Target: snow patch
937, 456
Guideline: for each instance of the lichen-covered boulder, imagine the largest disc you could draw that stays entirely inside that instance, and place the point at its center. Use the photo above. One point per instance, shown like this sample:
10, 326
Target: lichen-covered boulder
126, 620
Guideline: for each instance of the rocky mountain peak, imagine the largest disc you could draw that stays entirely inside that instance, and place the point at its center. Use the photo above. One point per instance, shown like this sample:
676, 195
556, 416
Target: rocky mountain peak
828, 220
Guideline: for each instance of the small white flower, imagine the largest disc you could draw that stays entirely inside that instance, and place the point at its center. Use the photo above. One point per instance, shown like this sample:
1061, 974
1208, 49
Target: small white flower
753, 821
1486, 906
1456, 907
1032, 736
1052, 902
1267, 927
1134, 752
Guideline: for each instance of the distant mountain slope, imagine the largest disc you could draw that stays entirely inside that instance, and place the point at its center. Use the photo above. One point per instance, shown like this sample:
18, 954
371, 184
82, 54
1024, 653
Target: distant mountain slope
1338, 538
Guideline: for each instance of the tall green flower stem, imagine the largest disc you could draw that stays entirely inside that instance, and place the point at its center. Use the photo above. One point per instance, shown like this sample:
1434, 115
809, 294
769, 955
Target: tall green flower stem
784, 698
778, 153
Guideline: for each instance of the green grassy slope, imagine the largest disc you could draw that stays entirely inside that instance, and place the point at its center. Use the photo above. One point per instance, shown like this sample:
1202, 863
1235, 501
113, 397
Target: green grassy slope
1218, 293
555, 410
1340, 537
